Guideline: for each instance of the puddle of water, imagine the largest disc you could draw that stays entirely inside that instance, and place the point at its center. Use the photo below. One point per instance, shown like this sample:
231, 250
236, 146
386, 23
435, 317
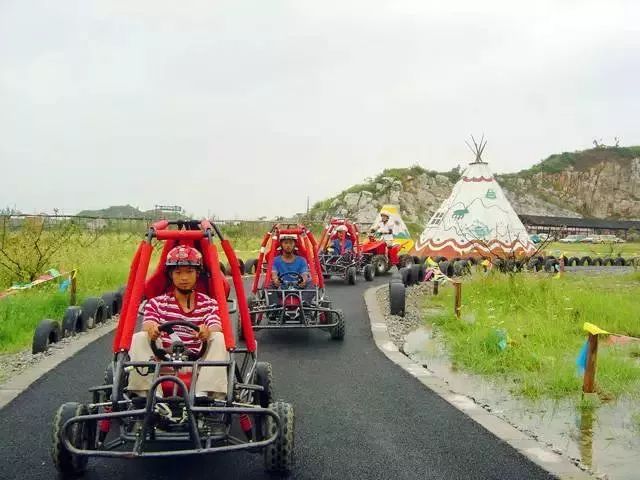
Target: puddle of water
603, 438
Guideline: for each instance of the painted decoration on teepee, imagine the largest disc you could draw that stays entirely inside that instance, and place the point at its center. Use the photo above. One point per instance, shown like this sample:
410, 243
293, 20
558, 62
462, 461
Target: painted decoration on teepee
401, 234
476, 220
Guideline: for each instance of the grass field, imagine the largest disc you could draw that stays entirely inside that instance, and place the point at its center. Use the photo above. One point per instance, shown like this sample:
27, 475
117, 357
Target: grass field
594, 249
102, 266
542, 318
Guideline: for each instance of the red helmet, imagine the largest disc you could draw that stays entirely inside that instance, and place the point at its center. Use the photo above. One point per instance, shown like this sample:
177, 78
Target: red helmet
184, 256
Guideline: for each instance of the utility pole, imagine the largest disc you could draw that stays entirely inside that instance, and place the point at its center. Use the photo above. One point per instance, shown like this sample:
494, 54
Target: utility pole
307, 204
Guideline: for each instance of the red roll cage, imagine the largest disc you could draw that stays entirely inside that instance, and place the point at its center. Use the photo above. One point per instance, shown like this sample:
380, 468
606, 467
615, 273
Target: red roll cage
306, 247
198, 234
329, 233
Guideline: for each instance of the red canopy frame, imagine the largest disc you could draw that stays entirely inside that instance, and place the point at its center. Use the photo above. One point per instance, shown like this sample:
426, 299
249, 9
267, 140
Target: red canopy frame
306, 246
199, 235
329, 233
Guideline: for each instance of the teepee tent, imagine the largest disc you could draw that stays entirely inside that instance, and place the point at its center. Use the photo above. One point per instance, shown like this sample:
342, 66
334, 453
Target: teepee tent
401, 234
476, 220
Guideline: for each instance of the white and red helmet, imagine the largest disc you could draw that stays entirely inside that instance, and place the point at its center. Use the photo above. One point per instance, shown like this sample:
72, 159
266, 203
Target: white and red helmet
184, 256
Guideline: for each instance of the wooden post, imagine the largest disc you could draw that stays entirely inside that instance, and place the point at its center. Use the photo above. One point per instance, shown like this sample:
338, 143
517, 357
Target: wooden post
589, 381
561, 262
74, 288
457, 308
435, 287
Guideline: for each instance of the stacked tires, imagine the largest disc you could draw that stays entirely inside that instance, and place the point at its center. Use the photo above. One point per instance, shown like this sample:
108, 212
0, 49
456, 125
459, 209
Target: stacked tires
92, 312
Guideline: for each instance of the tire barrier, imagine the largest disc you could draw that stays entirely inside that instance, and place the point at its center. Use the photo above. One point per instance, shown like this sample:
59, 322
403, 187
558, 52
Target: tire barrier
73, 322
77, 319
396, 298
46, 333
93, 311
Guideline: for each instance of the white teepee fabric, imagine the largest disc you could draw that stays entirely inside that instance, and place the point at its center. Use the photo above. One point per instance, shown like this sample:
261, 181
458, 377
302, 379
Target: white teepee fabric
476, 220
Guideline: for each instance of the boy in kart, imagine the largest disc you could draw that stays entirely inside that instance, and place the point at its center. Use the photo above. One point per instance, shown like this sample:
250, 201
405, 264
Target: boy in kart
341, 244
182, 302
289, 268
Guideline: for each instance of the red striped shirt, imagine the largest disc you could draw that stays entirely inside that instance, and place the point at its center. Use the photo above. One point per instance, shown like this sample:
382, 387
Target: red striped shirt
165, 308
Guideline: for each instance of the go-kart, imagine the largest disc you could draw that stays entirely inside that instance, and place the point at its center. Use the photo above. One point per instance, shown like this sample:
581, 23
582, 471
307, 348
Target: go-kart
173, 419
346, 264
293, 305
382, 256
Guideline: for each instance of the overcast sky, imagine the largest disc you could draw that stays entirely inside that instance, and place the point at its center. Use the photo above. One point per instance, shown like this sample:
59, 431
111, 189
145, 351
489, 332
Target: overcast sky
243, 108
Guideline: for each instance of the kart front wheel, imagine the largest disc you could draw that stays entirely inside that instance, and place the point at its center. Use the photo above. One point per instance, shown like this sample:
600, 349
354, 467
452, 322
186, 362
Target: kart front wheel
380, 264
368, 272
278, 456
337, 331
351, 276
264, 378
79, 435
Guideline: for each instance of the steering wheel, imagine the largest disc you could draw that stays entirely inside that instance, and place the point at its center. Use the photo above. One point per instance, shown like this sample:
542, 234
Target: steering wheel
162, 354
299, 279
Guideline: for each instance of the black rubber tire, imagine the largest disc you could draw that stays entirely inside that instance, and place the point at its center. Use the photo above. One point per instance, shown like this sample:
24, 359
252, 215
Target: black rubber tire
110, 305
118, 298
446, 268
65, 462
471, 260
618, 262
369, 274
351, 276
380, 264
534, 264
417, 259
278, 456
405, 276
461, 268
414, 274
242, 266
46, 333
607, 261
250, 265
439, 259
550, 265
396, 299
223, 268
597, 261
586, 261
72, 322
422, 272
93, 311
573, 262
337, 331
264, 378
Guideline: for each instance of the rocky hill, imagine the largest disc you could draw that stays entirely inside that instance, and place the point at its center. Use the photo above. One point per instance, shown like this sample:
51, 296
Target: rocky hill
603, 182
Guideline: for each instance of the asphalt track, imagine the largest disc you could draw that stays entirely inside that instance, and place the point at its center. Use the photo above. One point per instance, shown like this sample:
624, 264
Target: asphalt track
358, 416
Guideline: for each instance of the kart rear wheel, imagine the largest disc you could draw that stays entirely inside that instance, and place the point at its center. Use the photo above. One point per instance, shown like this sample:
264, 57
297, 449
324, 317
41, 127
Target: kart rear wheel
79, 434
368, 272
337, 331
351, 276
380, 264
278, 456
264, 378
